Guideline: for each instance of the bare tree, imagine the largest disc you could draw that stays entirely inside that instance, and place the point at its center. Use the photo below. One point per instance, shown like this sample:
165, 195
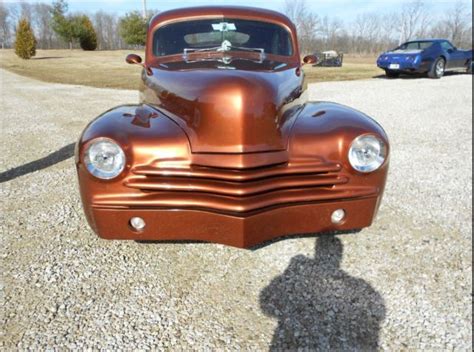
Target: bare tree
410, 18
330, 30
424, 25
26, 11
42, 23
307, 23
4, 26
106, 26
457, 23
14, 16
99, 19
388, 31
367, 33
455, 26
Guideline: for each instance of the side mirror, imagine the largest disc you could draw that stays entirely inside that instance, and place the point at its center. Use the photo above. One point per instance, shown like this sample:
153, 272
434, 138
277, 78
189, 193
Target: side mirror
134, 59
310, 59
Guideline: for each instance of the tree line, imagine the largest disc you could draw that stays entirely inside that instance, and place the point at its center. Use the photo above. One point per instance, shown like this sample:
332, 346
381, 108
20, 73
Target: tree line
373, 32
54, 27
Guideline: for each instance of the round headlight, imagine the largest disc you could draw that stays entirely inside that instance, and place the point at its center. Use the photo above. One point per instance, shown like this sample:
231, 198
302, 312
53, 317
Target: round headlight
367, 153
104, 158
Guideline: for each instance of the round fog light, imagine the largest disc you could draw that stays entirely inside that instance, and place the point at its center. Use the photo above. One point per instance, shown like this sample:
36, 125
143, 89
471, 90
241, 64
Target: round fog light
338, 216
137, 223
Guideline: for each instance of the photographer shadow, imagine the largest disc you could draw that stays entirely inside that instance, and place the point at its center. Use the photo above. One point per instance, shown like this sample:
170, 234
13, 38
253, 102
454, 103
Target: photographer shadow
321, 307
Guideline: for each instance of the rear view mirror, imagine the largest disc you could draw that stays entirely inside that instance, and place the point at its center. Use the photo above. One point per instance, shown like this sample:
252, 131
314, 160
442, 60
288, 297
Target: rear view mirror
134, 59
310, 59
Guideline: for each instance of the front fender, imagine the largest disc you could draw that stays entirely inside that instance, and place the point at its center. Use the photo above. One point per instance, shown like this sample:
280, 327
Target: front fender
327, 130
138, 129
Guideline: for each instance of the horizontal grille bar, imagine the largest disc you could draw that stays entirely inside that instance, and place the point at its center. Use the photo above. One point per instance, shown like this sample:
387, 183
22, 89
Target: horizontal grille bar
234, 191
239, 175
183, 200
238, 189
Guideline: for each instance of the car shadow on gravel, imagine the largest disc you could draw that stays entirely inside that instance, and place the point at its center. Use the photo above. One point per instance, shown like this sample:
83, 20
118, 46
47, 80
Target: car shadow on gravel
47, 58
321, 307
419, 75
54, 158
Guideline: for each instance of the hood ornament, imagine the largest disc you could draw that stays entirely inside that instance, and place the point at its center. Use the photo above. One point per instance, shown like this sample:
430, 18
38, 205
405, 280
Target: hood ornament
225, 46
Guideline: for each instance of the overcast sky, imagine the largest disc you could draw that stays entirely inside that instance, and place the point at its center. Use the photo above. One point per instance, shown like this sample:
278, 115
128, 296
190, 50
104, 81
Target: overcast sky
344, 9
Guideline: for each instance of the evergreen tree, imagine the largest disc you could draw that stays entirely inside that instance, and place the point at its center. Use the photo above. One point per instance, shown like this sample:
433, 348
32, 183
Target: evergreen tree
72, 28
62, 25
25, 43
133, 29
84, 31
89, 39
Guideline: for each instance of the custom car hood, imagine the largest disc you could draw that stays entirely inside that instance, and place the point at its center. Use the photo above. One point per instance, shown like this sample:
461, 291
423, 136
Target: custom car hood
226, 110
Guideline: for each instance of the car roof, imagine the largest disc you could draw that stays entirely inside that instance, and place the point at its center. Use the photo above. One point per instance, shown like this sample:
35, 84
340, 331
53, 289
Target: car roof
427, 40
224, 11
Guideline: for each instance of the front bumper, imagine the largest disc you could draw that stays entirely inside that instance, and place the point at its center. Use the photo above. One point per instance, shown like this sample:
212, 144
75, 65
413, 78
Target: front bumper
405, 66
242, 232
236, 207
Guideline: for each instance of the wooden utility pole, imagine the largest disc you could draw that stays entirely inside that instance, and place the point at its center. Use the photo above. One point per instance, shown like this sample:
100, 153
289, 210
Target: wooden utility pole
144, 10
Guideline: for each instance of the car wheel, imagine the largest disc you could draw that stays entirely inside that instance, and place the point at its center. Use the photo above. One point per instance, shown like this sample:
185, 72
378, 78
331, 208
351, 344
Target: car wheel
469, 67
438, 68
392, 74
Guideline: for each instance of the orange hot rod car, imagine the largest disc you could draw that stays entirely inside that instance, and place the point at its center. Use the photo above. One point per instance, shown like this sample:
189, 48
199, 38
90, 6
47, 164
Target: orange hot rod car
224, 146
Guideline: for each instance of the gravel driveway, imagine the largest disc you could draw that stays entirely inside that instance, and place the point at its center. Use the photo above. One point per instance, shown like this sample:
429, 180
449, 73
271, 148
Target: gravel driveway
404, 283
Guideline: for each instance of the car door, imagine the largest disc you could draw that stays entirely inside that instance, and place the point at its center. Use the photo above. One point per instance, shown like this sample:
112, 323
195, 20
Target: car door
454, 56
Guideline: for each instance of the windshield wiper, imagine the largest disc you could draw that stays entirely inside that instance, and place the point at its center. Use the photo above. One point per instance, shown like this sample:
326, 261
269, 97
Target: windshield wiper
221, 54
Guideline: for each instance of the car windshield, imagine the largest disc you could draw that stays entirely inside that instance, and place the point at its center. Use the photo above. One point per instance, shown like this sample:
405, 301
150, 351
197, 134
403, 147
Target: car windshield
222, 35
420, 45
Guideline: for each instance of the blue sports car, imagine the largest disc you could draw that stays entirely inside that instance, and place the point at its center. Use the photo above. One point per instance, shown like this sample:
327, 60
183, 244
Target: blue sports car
433, 57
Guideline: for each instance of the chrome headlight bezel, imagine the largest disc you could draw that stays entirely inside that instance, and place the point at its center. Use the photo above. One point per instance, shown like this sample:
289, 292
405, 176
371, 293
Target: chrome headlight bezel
93, 165
365, 144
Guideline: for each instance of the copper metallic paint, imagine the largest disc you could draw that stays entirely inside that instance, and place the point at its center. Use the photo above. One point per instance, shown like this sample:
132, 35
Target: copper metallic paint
310, 59
235, 157
225, 111
133, 59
